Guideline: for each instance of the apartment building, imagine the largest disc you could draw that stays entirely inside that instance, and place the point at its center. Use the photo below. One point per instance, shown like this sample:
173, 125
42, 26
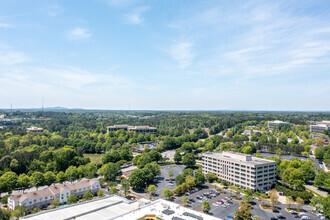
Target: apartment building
319, 126
241, 169
138, 129
43, 198
35, 130
276, 124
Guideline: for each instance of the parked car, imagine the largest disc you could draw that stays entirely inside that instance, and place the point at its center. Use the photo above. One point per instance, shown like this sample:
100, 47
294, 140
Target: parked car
230, 216
281, 217
215, 204
192, 200
276, 210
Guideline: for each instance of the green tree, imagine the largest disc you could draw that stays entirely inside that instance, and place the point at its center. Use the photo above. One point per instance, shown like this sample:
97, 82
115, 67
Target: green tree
125, 186
110, 171
72, 199
167, 193
100, 193
152, 189
243, 212
189, 160
211, 177
4, 214
23, 182
50, 178
326, 206
19, 211
55, 203
90, 170
199, 178
38, 179
71, 173
138, 179
273, 198
87, 195
248, 195
179, 179
9, 181
247, 150
289, 200
177, 157
206, 206
60, 177
190, 181
113, 190
185, 200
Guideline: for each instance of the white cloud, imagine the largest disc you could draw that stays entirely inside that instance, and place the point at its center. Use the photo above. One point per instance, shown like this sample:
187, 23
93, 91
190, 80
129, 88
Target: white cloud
9, 57
136, 17
182, 53
78, 34
6, 25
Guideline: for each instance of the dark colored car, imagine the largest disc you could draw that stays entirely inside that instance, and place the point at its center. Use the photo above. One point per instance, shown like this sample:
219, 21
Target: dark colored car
276, 210
281, 217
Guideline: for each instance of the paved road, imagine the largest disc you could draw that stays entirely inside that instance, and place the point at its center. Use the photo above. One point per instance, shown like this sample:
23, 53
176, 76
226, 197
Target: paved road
315, 189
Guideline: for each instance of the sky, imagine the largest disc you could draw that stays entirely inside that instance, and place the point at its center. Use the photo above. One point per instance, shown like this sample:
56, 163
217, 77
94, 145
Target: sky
165, 54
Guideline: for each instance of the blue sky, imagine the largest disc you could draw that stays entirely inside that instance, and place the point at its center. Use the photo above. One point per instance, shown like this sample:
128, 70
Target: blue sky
166, 54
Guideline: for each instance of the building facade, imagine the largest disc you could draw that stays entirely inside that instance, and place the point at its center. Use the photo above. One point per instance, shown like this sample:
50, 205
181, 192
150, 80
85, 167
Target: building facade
35, 130
319, 127
276, 124
138, 129
43, 198
241, 169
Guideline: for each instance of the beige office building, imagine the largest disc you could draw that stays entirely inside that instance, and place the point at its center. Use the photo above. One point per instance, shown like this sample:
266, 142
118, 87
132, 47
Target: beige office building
319, 127
241, 169
138, 129
35, 130
276, 124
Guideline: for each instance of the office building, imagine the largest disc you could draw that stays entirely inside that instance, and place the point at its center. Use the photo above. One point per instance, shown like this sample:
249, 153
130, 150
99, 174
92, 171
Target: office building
241, 169
35, 130
319, 127
276, 124
42, 198
138, 129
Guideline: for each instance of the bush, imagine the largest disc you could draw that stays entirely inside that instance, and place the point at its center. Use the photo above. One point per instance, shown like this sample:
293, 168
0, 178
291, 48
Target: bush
305, 195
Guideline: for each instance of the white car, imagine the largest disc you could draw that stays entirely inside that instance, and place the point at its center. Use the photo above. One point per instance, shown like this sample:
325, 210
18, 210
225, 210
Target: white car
215, 204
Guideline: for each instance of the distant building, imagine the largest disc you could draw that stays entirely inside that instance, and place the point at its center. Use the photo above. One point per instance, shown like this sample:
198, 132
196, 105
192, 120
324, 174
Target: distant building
319, 126
138, 129
42, 198
241, 169
276, 124
35, 130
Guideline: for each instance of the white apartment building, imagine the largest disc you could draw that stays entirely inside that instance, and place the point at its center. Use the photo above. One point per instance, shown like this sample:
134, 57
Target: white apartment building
319, 127
241, 169
43, 198
276, 124
35, 130
138, 129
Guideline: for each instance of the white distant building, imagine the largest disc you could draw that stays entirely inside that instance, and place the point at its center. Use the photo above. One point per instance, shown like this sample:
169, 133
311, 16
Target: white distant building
319, 127
138, 129
42, 198
35, 130
241, 169
276, 124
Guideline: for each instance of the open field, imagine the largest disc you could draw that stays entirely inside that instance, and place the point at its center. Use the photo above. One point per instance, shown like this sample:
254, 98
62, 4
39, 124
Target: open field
95, 158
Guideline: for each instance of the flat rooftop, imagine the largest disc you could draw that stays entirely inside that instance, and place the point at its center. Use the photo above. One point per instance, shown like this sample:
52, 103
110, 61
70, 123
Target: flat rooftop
239, 157
165, 210
100, 209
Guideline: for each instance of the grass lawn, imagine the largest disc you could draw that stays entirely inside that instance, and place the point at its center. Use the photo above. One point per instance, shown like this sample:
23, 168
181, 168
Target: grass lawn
95, 158
266, 207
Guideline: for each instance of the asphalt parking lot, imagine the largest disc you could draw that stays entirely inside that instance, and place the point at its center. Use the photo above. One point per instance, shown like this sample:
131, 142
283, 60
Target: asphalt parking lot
217, 211
160, 181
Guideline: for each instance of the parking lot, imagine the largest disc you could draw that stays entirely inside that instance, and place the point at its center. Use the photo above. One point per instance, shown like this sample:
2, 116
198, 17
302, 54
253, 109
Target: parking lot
218, 211
160, 181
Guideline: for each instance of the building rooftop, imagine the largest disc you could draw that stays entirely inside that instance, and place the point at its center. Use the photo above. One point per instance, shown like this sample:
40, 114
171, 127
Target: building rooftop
239, 157
165, 210
34, 129
278, 122
100, 209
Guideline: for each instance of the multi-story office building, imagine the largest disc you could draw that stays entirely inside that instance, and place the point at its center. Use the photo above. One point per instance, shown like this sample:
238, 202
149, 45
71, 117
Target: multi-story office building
43, 198
35, 130
276, 124
319, 126
241, 169
138, 129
